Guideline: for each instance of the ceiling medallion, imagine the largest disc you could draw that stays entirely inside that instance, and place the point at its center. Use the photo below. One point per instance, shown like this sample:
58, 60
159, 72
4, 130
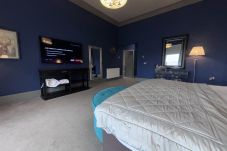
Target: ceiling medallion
113, 4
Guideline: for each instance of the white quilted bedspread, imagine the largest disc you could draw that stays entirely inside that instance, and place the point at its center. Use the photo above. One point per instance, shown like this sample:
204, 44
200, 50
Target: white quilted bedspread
161, 115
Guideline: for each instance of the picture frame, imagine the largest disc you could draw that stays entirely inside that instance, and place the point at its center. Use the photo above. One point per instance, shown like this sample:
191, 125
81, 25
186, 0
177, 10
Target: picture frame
9, 47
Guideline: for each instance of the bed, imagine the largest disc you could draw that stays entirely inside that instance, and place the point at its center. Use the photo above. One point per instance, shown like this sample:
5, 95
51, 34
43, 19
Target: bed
163, 115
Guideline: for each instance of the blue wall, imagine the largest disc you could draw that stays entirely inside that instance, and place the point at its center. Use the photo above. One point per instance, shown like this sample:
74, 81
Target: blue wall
54, 18
206, 24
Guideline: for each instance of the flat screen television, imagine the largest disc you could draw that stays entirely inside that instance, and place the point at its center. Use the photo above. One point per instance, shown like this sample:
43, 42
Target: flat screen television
55, 51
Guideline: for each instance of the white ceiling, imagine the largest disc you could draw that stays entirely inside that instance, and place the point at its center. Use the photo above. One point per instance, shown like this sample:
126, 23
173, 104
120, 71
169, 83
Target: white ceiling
134, 10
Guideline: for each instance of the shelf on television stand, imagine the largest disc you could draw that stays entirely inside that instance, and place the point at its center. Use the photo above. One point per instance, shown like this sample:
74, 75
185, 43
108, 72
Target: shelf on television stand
78, 81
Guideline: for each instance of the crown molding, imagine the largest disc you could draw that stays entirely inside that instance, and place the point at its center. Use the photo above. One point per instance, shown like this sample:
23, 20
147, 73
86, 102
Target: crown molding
98, 13
94, 11
159, 11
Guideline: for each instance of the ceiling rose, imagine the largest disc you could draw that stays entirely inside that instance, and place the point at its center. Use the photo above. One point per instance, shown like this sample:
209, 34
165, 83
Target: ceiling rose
113, 4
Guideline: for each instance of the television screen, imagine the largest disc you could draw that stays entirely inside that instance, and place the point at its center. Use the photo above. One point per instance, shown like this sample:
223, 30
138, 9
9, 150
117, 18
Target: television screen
60, 51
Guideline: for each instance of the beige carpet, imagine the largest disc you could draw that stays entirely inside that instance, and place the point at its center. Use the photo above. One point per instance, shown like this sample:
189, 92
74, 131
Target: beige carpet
28, 123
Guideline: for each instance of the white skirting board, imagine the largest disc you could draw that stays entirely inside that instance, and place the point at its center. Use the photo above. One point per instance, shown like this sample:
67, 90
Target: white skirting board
112, 73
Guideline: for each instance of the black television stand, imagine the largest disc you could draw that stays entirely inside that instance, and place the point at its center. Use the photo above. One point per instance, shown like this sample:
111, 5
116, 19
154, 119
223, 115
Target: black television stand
78, 81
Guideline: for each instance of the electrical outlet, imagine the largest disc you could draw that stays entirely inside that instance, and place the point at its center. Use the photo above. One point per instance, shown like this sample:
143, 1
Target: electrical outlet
212, 78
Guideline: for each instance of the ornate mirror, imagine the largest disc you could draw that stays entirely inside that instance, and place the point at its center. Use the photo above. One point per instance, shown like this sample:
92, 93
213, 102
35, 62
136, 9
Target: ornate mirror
174, 49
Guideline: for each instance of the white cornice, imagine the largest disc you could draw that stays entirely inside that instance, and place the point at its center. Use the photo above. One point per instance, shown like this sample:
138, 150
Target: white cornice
94, 11
98, 13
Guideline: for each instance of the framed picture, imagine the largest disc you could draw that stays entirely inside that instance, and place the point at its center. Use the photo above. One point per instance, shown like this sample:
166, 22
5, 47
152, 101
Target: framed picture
9, 48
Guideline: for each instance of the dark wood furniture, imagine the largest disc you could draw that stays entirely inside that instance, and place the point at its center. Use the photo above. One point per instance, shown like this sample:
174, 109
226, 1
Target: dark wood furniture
171, 74
78, 81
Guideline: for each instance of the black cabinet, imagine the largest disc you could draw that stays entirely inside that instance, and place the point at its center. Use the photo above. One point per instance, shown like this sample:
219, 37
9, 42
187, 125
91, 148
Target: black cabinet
171, 74
78, 80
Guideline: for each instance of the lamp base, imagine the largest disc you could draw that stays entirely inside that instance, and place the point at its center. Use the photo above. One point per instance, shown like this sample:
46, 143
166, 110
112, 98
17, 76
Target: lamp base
194, 75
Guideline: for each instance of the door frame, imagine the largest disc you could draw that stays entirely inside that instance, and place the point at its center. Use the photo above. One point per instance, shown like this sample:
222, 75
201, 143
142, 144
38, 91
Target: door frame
123, 64
90, 47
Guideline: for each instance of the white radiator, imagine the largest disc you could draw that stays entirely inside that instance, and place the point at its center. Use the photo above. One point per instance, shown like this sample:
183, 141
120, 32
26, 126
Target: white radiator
112, 73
